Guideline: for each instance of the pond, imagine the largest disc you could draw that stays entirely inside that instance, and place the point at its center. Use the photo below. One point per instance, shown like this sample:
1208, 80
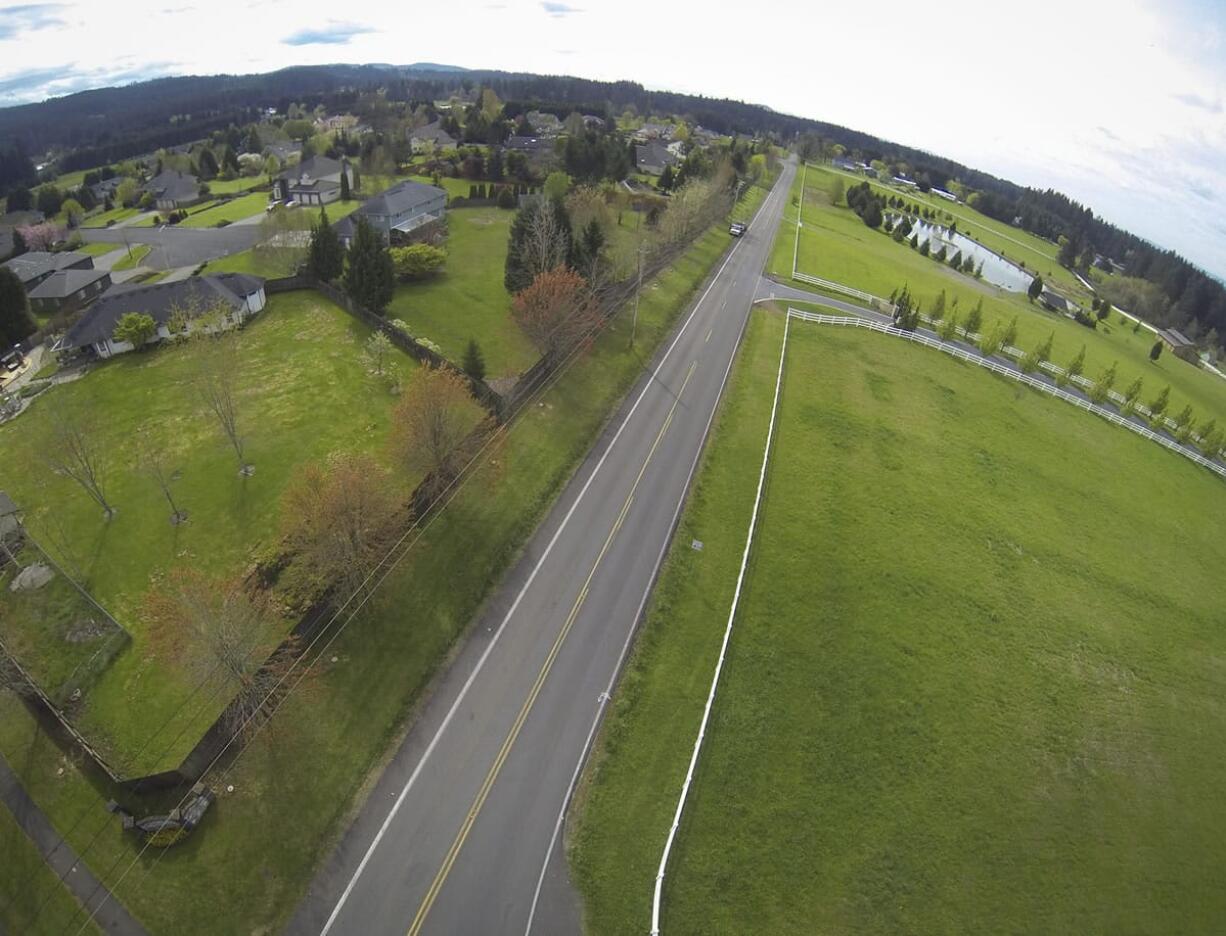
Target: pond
996, 269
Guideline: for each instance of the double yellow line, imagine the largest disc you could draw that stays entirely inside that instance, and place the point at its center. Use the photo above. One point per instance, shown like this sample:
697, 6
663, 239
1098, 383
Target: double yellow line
473, 811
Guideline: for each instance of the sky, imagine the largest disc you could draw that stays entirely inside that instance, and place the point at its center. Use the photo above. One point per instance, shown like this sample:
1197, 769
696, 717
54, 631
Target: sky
1120, 105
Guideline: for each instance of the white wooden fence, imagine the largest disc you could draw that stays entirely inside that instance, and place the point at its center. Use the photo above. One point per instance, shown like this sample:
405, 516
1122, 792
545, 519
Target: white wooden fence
996, 367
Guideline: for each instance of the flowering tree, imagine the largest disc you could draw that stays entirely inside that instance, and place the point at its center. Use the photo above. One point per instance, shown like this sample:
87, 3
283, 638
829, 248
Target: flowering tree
41, 236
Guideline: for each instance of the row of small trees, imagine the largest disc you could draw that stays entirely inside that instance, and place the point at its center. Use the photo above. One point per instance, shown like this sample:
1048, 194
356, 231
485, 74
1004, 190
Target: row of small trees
1206, 435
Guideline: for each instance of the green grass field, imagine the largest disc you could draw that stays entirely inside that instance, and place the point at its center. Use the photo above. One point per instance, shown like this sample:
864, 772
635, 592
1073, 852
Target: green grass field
132, 257
282, 818
24, 882
976, 679
234, 186
236, 209
97, 250
100, 219
836, 245
467, 300
303, 382
1010, 242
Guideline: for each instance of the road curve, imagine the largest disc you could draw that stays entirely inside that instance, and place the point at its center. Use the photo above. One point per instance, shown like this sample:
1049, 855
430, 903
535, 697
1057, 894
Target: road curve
461, 833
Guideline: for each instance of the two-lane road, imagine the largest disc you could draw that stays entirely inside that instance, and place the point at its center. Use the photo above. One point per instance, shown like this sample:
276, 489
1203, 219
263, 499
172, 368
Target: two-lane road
461, 834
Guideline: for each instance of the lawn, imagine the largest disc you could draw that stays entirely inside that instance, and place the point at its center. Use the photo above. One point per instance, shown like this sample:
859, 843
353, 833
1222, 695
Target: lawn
302, 383
467, 300
283, 819
97, 250
965, 693
100, 219
836, 245
25, 882
455, 188
1015, 244
132, 257
236, 209
234, 186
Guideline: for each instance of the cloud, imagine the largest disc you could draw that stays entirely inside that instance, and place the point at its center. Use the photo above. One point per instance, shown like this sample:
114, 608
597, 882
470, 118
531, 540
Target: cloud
332, 34
1107, 133
1195, 100
28, 17
31, 78
1202, 191
555, 9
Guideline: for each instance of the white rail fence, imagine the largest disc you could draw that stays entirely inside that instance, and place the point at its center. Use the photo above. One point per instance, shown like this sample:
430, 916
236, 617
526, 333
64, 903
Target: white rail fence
997, 368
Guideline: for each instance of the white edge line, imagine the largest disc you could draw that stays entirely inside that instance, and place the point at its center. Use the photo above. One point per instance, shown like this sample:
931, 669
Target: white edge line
501, 627
719, 665
638, 614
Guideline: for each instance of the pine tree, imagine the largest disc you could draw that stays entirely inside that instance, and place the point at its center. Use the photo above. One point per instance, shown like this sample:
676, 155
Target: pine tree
1036, 287
474, 360
1156, 351
325, 256
345, 193
370, 278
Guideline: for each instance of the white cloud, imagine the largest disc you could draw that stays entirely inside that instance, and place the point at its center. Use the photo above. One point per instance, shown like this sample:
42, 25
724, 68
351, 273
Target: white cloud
1123, 106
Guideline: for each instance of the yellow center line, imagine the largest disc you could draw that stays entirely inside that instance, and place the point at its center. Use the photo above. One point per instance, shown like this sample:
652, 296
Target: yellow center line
483, 793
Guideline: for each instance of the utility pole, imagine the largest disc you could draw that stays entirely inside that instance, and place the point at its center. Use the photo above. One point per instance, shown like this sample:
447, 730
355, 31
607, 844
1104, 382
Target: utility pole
634, 325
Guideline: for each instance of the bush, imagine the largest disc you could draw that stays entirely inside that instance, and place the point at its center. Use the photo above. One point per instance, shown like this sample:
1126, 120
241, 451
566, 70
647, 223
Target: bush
417, 261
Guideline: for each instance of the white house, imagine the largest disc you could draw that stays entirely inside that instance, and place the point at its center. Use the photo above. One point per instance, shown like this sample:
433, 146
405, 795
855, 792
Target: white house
314, 181
238, 295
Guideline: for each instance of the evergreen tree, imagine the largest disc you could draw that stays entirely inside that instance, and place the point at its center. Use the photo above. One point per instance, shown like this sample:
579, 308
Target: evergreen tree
1010, 335
666, 180
325, 256
938, 307
1036, 287
346, 195
370, 279
1104, 309
474, 360
1101, 390
1073, 368
1130, 397
206, 164
1156, 351
15, 320
19, 243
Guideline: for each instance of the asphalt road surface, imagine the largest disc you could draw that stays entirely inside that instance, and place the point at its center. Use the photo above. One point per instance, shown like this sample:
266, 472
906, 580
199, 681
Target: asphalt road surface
178, 246
461, 834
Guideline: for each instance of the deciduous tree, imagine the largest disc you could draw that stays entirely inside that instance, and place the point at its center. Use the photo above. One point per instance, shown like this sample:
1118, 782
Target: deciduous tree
430, 424
336, 519
216, 385
418, 261
138, 328
1158, 405
555, 312
71, 445
223, 635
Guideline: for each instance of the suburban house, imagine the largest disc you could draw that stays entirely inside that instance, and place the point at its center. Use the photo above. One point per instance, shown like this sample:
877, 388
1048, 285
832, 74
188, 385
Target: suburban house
846, 165
429, 138
1180, 344
314, 181
533, 146
242, 296
285, 152
941, 193
905, 182
655, 131
106, 188
69, 290
172, 190
651, 158
34, 266
402, 208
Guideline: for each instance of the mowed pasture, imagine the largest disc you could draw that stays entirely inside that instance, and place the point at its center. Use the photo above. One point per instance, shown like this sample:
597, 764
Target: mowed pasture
836, 245
305, 393
976, 682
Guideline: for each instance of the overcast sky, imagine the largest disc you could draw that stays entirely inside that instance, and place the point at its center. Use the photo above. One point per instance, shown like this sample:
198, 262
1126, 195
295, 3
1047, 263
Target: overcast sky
1122, 105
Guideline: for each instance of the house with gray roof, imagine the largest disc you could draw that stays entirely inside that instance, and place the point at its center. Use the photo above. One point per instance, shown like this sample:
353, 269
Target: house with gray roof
651, 158
1180, 344
34, 266
314, 181
179, 304
69, 290
429, 138
402, 209
172, 190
